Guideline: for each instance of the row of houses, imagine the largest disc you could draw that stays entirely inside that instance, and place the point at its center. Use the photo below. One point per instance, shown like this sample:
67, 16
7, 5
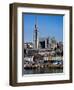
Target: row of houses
42, 58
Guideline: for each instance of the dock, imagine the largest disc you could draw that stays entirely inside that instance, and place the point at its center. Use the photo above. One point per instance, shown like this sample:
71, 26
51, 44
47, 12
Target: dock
34, 66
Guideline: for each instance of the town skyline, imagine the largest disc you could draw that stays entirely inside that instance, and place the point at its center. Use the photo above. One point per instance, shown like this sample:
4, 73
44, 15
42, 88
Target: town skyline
41, 53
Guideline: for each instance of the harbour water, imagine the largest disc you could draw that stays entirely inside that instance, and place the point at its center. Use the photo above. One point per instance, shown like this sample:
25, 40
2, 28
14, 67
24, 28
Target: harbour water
43, 70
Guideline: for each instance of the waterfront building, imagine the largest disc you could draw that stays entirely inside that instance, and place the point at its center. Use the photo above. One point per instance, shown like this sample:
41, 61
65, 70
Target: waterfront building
45, 57
28, 58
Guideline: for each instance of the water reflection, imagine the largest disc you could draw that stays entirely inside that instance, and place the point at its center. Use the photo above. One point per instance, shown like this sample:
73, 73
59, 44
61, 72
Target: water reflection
43, 70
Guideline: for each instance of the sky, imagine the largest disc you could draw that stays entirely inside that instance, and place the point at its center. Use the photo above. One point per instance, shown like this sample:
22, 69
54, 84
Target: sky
48, 26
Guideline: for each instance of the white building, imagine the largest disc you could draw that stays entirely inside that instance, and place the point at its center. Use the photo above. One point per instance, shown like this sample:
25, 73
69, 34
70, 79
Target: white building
28, 58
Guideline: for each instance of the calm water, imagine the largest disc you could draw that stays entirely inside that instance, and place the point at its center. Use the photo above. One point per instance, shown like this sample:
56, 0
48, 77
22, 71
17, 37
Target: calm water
42, 70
